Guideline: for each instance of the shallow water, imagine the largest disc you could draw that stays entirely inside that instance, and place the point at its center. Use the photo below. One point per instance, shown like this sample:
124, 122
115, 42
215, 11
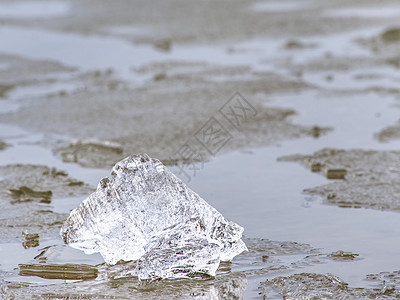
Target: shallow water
33, 9
340, 80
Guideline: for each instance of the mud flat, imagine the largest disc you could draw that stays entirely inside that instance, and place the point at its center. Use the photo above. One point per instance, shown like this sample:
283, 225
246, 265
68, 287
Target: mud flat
329, 287
361, 178
27, 192
266, 256
84, 84
136, 126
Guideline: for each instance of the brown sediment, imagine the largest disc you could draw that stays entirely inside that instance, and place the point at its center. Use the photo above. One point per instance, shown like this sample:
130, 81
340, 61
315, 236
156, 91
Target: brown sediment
56, 271
341, 255
391, 35
30, 239
389, 133
3, 145
25, 193
335, 173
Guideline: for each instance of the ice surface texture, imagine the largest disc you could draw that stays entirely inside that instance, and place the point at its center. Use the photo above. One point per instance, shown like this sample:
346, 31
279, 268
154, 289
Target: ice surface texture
145, 213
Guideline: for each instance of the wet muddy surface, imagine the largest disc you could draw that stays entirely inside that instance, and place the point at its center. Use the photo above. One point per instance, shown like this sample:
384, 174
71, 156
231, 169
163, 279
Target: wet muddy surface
267, 258
317, 286
360, 178
305, 97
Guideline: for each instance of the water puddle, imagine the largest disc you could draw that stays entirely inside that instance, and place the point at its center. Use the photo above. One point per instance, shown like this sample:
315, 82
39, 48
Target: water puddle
85, 53
365, 12
129, 31
278, 210
338, 111
102, 53
276, 55
34, 9
383, 78
283, 6
37, 90
107, 53
23, 142
8, 107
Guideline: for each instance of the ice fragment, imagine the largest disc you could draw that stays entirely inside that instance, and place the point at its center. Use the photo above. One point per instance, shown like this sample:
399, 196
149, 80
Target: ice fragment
145, 213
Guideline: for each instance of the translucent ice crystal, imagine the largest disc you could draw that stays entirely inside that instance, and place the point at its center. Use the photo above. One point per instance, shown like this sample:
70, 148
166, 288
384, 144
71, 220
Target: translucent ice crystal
146, 214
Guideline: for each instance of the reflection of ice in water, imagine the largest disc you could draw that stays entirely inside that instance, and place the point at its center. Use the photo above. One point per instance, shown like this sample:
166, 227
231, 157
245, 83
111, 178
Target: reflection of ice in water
224, 286
145, 212
33, 9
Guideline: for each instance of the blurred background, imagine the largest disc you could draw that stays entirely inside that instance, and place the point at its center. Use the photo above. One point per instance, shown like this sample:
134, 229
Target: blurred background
305, 95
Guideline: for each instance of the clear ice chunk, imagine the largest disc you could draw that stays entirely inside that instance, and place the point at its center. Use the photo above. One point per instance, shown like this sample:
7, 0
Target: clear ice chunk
145, 213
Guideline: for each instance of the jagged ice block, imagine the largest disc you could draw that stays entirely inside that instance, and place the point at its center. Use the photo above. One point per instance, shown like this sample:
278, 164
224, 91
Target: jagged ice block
145, 213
